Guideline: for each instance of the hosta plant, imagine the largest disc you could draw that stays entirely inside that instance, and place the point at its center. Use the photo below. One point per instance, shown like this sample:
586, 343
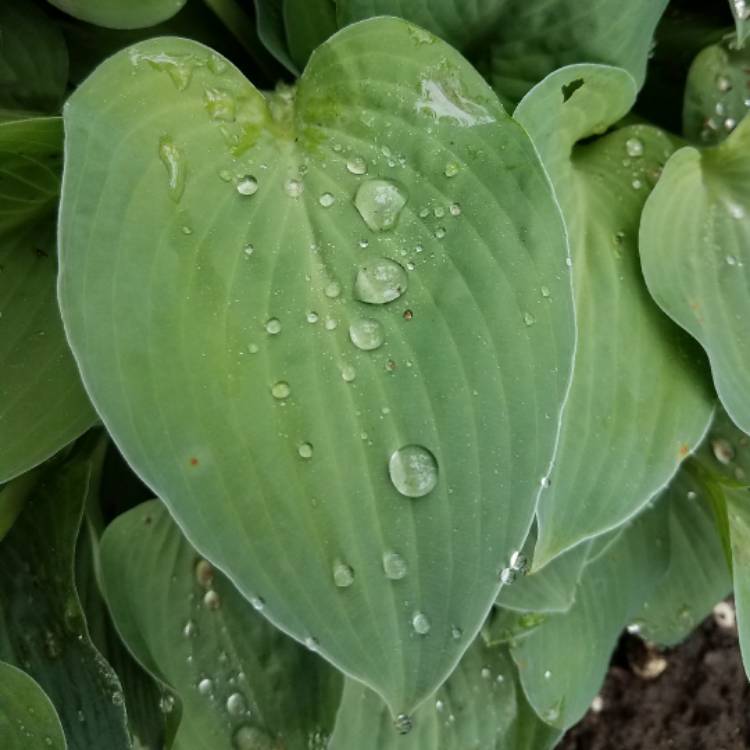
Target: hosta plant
361, 360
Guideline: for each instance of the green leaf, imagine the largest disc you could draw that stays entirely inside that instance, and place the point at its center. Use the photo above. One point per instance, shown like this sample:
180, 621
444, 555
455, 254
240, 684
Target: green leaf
213, 297
120, 14
42, 403
738, 503
42, 627
695, 251
640, 399
725, 453
480, 706
551, 589
308, 24
516, 43
559, 675
33, 59
28, 720
716, 93
270, 16
741, 13
697, 577
506, 626
13, 496
235, 674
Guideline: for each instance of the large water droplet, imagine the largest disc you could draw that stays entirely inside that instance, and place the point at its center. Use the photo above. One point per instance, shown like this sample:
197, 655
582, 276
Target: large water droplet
343, 575
236, 705
366, 334
379, 203
280, 390
413, 470
394, 566
205, 686
247, 185
251, 738
356, 165
379, 281
174, 162
421, 623
273, 326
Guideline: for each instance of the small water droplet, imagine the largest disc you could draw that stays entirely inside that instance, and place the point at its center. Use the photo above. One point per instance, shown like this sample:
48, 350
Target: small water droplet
723, 450
326, 200
356, 165
439, 705
348, 373
456, 633
212, 600
380, 281
508, 576
731, 260
380, 203
730, 123
247, 185
258, 603
518, 561
529, 319
204, 573
331, 324
186, 230
736, 211
236, 705
451, 169
273, 326
253, 348
205, 686
166, 703
366, 334
248, 250
547, 674
723, 83
294, 188
174, 162
403, 724
333, 290
455, 209
545, 482
394, 566
280, 390
311, 643
312, 317
305, 450
413, 470
220, 105
439, 212
421, 623
636, 184
486, 673
343, 575
251, 738
190, 630
634, 147
440, 233
545, 291
364, 243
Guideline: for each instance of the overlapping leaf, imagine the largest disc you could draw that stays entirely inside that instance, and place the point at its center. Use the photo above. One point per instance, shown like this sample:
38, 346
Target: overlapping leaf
640, 400
121, 14
308, 23
516, 43
332, 328
28, 720
42, 403
562, 663
42, 627
738, 506
695, 251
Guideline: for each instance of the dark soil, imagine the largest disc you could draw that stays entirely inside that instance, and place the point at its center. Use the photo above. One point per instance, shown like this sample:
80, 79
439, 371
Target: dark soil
701, 701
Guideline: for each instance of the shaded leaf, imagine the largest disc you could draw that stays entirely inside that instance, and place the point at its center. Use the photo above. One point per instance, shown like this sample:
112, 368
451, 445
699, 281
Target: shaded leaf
640, 399
28, 720
738, 504
235, 674
559, 675
42, 403
695, 251
42, 626
506, 626
13, 496
741, 13
121, 14
270, 16
308, 24
295, 459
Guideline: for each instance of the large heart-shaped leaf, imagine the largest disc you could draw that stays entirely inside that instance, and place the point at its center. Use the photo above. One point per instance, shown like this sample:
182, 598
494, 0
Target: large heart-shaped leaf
563, 662
640, 399
516, 43
42, 626
28, 720
695, 250
42, 403
236, 676
33, 59
332, 328
121, 14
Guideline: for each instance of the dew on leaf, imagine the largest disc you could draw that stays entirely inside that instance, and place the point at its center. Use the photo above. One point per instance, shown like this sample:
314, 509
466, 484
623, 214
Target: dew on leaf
305, 450
326, 200
403, 723
508, 576
348, 373
451, 169
356, 165
220, 105
174, 162
421, 623
331, 324
380, 203
204, 573
212, 600
440, 233
251, 738
280, 390
273, 326
257, 603
455, 209
247, 185
312, 317
380, 281
190, 630
294, 188
723, 83
248, 249
394, 566
529, 319
333, 290
722, 450
366, 334
343, 575
413, 470
205, 686
634, 147
236, 705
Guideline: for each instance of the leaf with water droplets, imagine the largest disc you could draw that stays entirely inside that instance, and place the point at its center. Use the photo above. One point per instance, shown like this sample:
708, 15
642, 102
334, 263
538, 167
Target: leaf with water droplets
481, 705
121, 14
426, 432
42, 403
641, 398
523, 41
238, 679
28, 720
695, 252
42, 626
559, 677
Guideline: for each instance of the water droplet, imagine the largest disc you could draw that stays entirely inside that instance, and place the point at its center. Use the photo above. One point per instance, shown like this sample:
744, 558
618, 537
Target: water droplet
394, 566
311, 643
258, 603
456, 633
174, 162
545, 482
518, 561
253, 348
634, 147
326, 200
439, 705
190, 630
248, 250
251, 738
247, 185
455, 209
205, 686
166, 703
545, 291
312, 317
440, 233
212, 600
273, 326
420, 623
403, 724
356, 165
220, 105
379, 281
529, 319
331, 324
723, 450
343, 575
439, 212
637, 184
366, 334
364, 243
379, 203
723, 83
451, 169
333, 290
236, 705
186, 230
547, 674
508, 576
348, 373
736, 211
413, 471
486, 673
730, 123
294, 188
408, 315
731, 260
305, 450
204, 573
